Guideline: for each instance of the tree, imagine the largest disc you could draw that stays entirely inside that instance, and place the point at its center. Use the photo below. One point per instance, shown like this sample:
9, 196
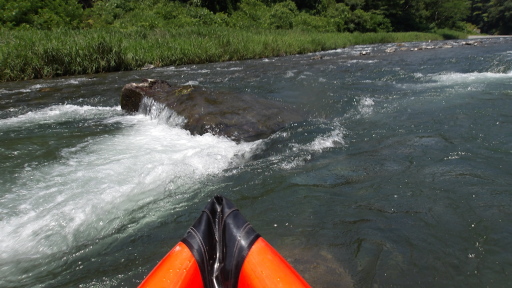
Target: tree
44, 14
86, 3
447, 13
14, 13
216, 6
281, 15
478, 13
500, 17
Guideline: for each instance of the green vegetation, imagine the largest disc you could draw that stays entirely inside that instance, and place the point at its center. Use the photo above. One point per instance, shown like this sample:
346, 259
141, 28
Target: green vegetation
491, 16
42, 54
47, 38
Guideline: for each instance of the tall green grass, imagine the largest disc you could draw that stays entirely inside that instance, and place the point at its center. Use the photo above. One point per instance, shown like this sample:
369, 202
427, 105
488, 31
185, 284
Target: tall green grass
29, 54
44, 54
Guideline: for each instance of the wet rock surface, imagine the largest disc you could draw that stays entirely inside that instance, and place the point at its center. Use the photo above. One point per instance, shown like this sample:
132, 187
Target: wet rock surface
240, 117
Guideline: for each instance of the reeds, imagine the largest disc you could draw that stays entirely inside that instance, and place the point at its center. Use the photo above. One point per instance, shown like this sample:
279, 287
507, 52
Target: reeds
43, 54
29, 54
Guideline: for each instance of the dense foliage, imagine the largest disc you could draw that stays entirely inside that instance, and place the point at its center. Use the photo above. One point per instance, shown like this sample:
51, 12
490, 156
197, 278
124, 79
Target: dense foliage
491, 16
48, 38
29, 54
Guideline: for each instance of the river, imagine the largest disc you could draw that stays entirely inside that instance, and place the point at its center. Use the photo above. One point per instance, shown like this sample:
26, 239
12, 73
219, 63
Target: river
401, 175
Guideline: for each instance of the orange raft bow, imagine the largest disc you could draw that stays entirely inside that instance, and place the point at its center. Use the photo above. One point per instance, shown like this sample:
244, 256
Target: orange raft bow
222, 250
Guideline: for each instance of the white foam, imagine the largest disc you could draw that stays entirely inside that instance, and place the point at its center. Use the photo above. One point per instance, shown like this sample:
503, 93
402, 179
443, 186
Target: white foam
334, 51
366, 106
290, 73
47, 83
3, 91
363, 61
192, 83
93, 189
467, 81
301, 153
58, 113
329, 140
158, 111
457, 78
200, 71
183, 68
231, 69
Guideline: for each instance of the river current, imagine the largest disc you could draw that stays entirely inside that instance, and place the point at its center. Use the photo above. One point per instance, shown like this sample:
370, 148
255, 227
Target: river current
401, 175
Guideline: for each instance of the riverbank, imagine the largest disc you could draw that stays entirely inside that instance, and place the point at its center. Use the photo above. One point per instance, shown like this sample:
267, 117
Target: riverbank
488, 36
34, 54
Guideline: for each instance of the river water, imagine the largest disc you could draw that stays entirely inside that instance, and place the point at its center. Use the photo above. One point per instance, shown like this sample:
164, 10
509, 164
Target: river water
401, 175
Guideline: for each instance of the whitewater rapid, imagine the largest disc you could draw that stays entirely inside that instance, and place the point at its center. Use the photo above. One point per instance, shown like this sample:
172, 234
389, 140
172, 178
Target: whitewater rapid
93, 187
401, 171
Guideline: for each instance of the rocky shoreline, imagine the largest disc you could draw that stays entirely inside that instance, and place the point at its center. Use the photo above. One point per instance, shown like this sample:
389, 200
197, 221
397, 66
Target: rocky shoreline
445, 44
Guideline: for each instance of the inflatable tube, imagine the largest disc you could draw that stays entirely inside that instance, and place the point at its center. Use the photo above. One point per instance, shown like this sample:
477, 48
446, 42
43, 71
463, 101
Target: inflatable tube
265, 267
178, 269
222, 250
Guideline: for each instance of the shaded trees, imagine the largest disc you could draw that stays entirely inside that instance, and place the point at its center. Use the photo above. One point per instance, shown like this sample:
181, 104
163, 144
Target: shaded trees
491, 16
478, 13
86, 3
404, 15
499, 15
44, 14
447, 13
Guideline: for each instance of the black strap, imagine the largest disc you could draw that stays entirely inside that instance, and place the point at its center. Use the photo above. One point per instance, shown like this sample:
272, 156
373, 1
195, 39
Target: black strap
220, 239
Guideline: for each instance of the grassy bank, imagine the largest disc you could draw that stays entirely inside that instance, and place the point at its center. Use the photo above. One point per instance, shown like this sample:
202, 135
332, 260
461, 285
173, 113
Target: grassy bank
31, 54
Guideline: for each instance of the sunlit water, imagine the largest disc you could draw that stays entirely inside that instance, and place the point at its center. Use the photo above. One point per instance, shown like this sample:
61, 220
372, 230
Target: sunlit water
399, 177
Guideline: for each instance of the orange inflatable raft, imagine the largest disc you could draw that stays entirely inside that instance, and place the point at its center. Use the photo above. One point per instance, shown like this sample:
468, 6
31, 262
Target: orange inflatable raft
222, 250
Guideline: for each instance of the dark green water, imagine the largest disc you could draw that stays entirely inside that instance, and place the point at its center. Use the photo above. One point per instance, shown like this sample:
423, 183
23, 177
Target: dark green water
400, 177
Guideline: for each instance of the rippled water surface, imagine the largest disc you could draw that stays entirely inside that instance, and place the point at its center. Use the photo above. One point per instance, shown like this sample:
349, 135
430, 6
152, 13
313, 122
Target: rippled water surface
400, 177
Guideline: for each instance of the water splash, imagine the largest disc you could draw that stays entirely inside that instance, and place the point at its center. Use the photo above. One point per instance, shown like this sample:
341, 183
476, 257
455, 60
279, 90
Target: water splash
366, 106
461, 81
89, 193
331, 135
158, 111
57, 114
47, 84
458, 78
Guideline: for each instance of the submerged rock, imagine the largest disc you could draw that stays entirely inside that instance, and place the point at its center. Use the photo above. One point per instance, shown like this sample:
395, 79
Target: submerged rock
240, 117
